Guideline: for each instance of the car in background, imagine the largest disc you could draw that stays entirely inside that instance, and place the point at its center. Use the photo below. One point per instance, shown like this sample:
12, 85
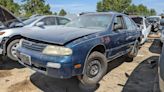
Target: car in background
11, 27
46, 20
144, 25
155, 21
162, 30
81, 48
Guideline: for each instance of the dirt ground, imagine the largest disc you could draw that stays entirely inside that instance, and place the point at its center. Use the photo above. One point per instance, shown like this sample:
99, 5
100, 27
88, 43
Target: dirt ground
140, 75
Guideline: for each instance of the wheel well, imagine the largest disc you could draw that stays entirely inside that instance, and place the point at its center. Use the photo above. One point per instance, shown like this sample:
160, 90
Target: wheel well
99, 48
139, 39
11, 39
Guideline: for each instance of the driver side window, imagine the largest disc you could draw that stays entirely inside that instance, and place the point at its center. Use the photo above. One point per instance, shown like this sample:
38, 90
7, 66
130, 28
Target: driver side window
118, 23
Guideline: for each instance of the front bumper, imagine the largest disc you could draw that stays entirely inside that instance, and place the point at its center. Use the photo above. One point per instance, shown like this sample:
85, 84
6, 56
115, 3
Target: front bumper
39, 63
3, 40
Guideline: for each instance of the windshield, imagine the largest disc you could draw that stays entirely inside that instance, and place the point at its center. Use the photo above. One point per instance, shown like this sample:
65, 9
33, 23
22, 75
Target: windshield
31, 20
91, 21
138, 20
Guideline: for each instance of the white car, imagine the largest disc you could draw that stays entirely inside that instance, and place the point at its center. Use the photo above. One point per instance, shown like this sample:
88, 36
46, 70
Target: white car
11, 27
155, 21
144, 25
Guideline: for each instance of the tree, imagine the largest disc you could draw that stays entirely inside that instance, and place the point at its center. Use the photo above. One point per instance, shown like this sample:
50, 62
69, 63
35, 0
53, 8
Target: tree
32, 7
11, 6
124, 6
143, 10
62, 12
55, 13
99, 7
132, 10
113, 5
152, 12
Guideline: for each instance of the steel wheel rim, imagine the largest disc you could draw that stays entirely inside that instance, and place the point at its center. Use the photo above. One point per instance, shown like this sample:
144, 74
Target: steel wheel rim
14, 48
93, 68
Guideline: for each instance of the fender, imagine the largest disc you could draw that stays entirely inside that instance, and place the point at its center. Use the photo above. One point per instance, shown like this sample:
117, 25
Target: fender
90, 53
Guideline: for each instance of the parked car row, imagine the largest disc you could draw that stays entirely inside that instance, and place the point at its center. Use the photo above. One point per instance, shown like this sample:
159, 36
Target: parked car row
62, 48
81, 48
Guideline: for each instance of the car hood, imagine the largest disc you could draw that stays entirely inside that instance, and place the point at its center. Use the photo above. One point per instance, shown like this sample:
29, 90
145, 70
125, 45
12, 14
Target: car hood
58, 34
6, 15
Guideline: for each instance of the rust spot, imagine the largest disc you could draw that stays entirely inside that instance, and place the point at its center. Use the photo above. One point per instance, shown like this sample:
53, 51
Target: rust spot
105, 40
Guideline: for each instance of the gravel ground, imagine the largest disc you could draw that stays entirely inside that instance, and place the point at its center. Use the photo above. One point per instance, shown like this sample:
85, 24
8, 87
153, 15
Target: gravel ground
140, 75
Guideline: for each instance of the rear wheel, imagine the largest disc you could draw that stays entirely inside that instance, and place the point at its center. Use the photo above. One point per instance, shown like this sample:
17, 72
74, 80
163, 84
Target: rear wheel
95, 69
11, 49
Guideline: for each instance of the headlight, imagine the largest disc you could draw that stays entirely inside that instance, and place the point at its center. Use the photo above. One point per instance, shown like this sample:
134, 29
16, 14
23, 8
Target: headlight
57, 50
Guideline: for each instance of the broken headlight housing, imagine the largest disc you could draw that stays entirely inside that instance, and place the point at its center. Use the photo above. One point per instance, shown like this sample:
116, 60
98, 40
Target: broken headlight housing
57, 50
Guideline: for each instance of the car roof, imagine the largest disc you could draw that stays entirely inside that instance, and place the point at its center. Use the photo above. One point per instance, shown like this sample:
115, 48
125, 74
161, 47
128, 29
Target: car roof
43, 16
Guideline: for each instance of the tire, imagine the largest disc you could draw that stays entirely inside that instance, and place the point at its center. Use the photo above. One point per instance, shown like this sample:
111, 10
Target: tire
11, 49
133, 53
95, 69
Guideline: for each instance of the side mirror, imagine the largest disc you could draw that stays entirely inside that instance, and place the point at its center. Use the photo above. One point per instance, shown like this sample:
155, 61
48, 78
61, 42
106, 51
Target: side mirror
117, 26
40, 24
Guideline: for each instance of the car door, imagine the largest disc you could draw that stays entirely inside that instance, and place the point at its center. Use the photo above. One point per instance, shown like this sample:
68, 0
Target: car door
117, 38
131, 32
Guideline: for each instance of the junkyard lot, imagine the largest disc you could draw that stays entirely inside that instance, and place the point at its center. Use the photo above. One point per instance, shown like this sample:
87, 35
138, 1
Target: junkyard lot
16, 78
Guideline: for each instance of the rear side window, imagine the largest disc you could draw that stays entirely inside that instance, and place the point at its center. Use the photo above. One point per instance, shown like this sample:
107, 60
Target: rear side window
62, 21
129, 24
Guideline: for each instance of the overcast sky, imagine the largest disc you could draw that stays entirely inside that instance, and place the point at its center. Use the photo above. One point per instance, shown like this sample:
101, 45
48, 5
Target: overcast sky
77, 6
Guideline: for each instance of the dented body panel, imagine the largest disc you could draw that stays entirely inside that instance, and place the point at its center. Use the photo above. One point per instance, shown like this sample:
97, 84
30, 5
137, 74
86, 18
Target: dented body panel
115, 43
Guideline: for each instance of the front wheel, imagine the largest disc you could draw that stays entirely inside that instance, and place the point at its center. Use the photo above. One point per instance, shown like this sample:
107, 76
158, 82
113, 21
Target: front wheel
11, 49
95, 69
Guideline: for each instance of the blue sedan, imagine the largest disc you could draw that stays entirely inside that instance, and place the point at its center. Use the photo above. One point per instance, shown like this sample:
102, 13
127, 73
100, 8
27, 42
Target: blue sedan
81, 48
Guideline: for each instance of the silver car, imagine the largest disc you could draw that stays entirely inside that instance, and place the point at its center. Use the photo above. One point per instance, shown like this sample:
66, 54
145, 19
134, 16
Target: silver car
10, 30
